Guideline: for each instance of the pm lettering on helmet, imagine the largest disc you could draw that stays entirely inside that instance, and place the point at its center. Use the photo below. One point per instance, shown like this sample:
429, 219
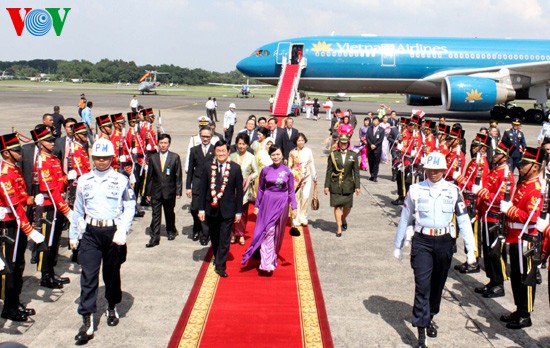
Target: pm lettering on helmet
433, 160
101, 147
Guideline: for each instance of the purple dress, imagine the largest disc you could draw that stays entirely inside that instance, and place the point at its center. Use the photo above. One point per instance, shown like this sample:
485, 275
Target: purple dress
275, 193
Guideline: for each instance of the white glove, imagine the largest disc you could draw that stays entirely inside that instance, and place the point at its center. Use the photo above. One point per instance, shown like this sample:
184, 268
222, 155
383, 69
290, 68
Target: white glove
36, 237
148, 147
39, 199
471, 257
399, 146
3, 212
120, 237
505, 206
122, 159
69, 215
132, 179
73, 244
81, 226
134, 151
541, 224
476, 188
2, 265
456, 174
413, 153
71, 175
398, 253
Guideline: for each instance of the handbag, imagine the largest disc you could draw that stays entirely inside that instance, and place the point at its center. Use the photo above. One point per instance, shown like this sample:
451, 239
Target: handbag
315, 198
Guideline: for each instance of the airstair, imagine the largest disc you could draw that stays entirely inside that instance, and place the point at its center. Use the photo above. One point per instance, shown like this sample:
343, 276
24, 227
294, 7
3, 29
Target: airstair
287, 88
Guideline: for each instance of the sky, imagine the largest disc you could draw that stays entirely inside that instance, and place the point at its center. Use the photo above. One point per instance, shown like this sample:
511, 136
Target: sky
215, 35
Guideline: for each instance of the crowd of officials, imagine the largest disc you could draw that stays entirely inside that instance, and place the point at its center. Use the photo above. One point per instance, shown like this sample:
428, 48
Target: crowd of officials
91, 181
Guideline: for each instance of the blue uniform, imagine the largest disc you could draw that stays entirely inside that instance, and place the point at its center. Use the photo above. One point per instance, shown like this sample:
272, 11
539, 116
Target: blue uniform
431, 206
516, 138
106, 202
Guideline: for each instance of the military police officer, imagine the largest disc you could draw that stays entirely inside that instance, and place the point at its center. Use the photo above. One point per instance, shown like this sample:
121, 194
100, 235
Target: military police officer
429, 207
103, 212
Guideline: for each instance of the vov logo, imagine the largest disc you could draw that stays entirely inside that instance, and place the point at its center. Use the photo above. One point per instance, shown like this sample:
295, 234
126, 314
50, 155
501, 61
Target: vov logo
38, 22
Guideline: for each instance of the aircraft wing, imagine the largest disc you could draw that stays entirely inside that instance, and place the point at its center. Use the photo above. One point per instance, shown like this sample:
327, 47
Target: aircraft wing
236, 85
497, 72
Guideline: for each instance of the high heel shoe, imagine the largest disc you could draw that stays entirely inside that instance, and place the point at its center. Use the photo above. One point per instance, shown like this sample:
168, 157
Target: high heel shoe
241, 240
232, 239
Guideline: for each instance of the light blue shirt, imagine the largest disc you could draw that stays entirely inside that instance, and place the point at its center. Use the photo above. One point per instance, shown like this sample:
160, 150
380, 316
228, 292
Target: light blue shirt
229, 118
87, 116
432, 205
103, 196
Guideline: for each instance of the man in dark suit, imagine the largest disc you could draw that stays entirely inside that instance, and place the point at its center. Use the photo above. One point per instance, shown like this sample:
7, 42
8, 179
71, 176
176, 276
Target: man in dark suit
163, 186
222, 207
62, 144
199, 157
275, 132
290, 135
375, 137
250, 130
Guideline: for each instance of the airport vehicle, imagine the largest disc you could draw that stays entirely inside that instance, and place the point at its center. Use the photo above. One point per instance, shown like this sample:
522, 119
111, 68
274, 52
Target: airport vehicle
462, 74
148, 82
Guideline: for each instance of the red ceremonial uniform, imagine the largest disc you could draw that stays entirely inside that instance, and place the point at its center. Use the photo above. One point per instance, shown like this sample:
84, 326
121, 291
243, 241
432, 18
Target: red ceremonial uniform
51, 178
430, 145
493, 192
14, 185
444, 148
115, 139
468, 180
524, 200
81, 160
407, 141
452, 163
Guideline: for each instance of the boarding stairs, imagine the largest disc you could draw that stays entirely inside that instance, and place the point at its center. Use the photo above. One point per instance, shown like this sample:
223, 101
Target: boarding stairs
287, 88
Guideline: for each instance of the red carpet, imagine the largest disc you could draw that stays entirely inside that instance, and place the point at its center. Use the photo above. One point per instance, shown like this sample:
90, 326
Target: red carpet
248, 310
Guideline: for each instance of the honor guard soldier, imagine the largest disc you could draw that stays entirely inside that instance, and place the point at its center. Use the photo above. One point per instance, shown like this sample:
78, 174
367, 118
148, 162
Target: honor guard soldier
499, 183
521, 216
49, 181
476, 172
429, 142
104, 209
81, 160
105, 126
14, 229
442, 132
455, 159
134, 155
118, 122
430, 206
403, 144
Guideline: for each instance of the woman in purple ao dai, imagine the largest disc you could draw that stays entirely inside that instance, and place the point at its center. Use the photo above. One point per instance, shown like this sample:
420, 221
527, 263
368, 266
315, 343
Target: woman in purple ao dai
275, 193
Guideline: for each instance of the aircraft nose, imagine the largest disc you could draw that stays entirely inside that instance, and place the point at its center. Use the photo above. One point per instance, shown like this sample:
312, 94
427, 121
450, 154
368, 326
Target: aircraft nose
245, 66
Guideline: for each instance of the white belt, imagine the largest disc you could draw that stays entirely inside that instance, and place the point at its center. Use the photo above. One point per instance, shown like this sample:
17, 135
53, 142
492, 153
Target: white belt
432, 231
99, 223
519, 226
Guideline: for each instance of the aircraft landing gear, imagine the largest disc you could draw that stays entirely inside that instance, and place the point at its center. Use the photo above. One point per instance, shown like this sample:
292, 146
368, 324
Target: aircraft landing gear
498, 113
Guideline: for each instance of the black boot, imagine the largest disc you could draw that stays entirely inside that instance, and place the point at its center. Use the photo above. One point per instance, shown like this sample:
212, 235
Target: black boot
87, 332
421, 338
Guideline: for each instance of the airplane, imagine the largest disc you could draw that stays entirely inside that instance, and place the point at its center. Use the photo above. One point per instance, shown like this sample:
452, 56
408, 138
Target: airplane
5, 76
148, 82
462, 74
244, 89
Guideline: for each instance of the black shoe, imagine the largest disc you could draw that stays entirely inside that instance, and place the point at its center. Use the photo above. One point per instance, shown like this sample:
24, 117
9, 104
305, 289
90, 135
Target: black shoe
375, 180
398, 201
495, 291
221, 273
144, 203
345, 226
431, 330
371, 178
139, 213
421, 338
481, 289
27, 311
338, 234
204, 242
195, 236
62, 280
112, 317
14, 315
519, 323
294, 232
466, 268
48, 282
152, 242
538, 277
394, 177
87, 331
34, 259
171, 236
508, 318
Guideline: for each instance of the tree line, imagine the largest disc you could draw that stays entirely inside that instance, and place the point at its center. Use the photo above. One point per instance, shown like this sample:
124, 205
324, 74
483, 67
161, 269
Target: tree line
108, 71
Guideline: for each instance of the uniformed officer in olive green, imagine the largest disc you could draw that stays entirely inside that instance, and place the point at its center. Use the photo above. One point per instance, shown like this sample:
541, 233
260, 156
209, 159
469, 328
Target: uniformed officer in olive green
342, 180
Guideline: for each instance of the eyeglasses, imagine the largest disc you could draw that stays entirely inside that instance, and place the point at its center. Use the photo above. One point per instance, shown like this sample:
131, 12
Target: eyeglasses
206, 136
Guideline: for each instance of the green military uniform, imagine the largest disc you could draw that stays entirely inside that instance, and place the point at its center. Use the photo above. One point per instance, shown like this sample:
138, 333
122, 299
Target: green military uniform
342, 178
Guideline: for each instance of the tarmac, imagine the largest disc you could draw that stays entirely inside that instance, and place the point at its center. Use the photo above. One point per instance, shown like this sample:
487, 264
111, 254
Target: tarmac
368, 294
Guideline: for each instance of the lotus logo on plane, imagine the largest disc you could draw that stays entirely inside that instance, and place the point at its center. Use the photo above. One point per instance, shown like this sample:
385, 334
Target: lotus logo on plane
37, 22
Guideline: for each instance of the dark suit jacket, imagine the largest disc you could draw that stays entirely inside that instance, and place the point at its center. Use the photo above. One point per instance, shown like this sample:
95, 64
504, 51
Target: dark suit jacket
350, 178
289, 143
167, 183
27, 164
279, 137
254, 136
197, 162
375, 139
231, 202
59, 149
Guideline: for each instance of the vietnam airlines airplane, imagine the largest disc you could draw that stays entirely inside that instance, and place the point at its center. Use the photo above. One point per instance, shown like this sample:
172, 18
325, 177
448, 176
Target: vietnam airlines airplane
459, 73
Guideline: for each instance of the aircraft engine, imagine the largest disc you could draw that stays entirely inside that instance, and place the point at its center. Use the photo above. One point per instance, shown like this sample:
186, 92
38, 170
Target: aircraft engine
420, 100
469, 93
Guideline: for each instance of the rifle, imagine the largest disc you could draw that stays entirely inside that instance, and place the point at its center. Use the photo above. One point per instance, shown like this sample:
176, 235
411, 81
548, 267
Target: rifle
4, 238
535, 252
38, 209
71, 188
473, 204
120, 151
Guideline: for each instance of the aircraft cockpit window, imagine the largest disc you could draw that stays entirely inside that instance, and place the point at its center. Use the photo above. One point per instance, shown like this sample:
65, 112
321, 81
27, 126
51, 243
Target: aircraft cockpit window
265, 53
